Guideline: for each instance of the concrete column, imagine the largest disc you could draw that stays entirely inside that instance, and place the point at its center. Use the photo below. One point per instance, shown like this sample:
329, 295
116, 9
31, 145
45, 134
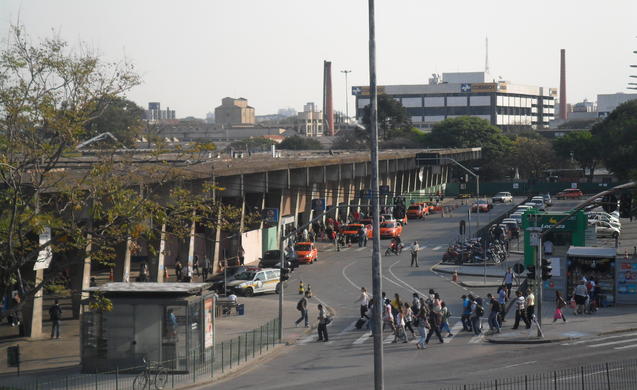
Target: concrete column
279, 229
295, 208
191, 242
81, 279
415, 175
34, 327
337, 199
408, 182
402, 182
122, 267
243, 212
217, 243
157, 271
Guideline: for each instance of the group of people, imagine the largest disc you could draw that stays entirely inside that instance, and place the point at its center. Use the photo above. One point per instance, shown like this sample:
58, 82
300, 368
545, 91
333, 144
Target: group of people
184, 273
429, 315
323, 317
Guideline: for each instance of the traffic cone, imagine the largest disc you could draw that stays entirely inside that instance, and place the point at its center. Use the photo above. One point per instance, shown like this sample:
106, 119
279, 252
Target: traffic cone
454, 277
301, 289
309, 291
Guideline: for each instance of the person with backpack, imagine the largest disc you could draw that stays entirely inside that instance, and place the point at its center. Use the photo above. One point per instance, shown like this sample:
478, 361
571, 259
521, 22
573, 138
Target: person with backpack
477, 311
466, 312
434, 326
415, 304
520, 310
446, 314
55, 313
301, 306
494, 310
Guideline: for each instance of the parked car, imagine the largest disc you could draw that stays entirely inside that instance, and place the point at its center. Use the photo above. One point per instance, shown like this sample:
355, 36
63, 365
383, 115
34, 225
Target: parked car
523, 208
306, 252
512, 224
570, 193
547, 199
612, 217
604, 229
218, 279
390, 229
463, 196
387, 217
517, 217
272, 259
502, 197
415, 211
604, 218
350, 231
248, 283
481, 206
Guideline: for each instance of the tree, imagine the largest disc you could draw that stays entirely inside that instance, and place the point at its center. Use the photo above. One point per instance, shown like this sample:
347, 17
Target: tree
581, 147
118, 116
300, 143
616, 138
393, 120
471, 132
356, 139
532, 157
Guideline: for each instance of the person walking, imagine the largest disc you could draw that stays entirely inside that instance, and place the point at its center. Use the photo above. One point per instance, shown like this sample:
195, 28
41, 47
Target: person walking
206, 267
466, 312
363, 300
301, 306
434, 326
414, 253
388, 317
195, 265
507, 280
494, 311
408, 314
399, 333
474, 316
446, 314
580, 295
55, 314
530, 308
361, 235
241, 255
502, 300
423, 324
560, 304
520, 310
322, 324
178, 269
415, 304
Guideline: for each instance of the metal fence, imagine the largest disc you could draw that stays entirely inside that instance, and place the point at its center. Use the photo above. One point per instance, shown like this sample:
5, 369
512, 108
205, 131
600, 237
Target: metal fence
604, 376
186, 369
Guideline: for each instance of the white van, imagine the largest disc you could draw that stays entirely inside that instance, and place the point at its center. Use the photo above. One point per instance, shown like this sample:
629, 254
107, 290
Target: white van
248, 283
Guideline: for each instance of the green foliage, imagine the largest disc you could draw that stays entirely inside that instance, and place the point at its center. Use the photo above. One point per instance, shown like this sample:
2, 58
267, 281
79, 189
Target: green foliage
471, 132
356, 139
583, 124
393, 120
532, 157
583, 146
121, 117
616, 137
300, 143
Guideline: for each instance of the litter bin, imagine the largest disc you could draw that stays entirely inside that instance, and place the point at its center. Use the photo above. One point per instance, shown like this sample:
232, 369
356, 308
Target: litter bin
13, 356
240, 309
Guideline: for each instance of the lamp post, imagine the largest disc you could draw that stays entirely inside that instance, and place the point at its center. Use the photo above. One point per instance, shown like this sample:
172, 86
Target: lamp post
346, 96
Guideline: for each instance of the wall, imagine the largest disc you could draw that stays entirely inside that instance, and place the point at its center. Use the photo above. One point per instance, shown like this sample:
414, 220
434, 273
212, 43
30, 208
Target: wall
252, 245
269, 239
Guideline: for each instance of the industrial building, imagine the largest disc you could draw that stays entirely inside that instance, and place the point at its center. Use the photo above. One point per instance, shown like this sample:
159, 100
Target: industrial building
234, 112
504, 104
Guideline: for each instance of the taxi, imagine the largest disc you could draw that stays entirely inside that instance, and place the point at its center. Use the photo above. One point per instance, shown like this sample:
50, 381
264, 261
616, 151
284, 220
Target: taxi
390, 229
351, 231
305, 252
250, 282
415, 211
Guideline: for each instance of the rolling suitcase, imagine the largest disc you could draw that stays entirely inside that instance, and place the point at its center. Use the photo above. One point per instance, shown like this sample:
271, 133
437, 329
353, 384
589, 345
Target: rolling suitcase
359, 324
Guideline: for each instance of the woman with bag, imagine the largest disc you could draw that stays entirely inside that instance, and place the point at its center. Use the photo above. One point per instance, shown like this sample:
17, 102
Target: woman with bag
560, 304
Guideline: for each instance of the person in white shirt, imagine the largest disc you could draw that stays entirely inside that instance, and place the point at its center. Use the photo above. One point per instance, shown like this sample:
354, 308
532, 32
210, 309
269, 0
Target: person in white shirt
520, 310
530, 308
364, 302
414, 253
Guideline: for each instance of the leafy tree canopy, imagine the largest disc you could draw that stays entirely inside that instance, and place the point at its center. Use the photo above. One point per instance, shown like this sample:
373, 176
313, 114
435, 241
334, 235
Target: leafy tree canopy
300, 143
581, 147
119, 116
393, 120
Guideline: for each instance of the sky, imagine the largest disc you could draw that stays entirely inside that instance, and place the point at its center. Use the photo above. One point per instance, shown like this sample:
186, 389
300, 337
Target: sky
192, 53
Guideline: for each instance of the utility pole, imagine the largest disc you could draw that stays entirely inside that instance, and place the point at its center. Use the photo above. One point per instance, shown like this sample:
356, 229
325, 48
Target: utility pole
346, 94
376, 260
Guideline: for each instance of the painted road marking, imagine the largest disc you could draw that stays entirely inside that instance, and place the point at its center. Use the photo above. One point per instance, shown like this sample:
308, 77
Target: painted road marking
520, 364
599, 339
308, 339
360, 249
436, 248
388, 339
476, 339
454, 330
363, 338
612, 343
627, 347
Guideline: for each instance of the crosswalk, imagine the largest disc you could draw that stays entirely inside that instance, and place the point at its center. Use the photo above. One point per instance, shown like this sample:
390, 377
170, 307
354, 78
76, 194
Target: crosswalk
356, 248
626, 341
353, 337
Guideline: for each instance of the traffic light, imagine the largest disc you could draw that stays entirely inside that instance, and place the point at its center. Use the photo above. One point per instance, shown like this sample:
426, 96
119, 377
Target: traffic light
530, 272
285, 274
625, 205
609, 203
546, 269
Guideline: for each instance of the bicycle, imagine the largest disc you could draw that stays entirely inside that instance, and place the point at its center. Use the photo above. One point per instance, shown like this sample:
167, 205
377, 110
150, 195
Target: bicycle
153, 374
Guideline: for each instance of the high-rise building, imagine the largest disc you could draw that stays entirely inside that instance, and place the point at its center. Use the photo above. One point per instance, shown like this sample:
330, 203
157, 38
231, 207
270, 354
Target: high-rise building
310, 121
234, 112
606, 103
155, 114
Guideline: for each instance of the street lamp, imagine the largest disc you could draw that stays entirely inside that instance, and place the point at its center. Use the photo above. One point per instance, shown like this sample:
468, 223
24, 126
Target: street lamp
346, 96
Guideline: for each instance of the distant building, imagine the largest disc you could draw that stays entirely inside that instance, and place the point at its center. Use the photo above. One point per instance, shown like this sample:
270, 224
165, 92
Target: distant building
606, 103
310, 121
234, 112
286, 112
210, 117
155, 113
506, 105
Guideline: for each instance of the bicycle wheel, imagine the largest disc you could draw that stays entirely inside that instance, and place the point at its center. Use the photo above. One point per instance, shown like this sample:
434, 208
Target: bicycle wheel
140, 382
161, 378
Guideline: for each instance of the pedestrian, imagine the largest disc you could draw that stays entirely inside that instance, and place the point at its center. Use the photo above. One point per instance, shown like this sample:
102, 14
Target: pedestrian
415, 304
476, 312
548, 247
423, 324
396, 305
414, 253
508, 279
322, 324
55, 314
580, 295
399, 333
466, 312
388, 317
241, 255
365, 232
361, 235
494, 310
301, 306
188, 274
520, 310
446, 314
408, 315
502, 299
364, 302
530, 308
560, 304
206, 267
434, 326
195, 265
178, 269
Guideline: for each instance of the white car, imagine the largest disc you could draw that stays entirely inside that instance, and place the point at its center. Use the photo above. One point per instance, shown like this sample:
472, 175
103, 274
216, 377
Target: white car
523, 208
248, 283
539, 203
603, 214
503, 197
517, 217
604, 229
603, 218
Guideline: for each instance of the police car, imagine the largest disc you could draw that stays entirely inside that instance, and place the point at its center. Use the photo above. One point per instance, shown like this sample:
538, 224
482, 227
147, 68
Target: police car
252, 282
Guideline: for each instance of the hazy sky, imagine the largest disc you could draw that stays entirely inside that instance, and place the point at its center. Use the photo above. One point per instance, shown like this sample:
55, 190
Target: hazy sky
191, 54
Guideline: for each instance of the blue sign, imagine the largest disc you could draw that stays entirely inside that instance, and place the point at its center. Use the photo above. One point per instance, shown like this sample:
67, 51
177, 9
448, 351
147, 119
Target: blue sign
318, 204
465, 87
356, 91
270, 215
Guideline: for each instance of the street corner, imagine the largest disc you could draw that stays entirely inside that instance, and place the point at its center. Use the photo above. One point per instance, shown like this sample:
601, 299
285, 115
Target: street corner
527, 336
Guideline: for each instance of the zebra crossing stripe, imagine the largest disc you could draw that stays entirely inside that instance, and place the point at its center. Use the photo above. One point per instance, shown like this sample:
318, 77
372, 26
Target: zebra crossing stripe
476, 339
599, 339
436, 248
612, 343
360, 249
362, 339
454, 330
626, 347
308, 339
388, 339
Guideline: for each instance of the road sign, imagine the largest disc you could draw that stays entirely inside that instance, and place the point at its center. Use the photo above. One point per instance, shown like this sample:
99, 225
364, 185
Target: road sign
318, 204
535, 239
46, 253
518, 268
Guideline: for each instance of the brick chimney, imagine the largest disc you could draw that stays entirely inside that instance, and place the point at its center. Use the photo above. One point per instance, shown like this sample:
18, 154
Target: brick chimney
328, 106
563, 107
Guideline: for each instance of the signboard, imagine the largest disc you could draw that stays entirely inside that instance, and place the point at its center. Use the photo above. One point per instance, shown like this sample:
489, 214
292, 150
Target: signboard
287, 219
483, 87
516, 186
465, 87
535, 239
318, 204
46, 254
573, 185
364, 90
209, 312
555, 263
271, 215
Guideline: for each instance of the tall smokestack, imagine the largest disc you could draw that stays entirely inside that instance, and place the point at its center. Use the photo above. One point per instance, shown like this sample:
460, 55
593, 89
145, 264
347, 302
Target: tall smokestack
328, 107
563, 109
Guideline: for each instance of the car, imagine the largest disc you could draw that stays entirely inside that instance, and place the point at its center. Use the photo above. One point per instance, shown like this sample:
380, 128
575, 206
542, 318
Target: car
248, 283
570, 193
603, 218
612, 217
512, 225
387, 217
539, 204
351, 231
415, 211
272, 259
604, 229
306, 252
390, 229
502, 197
523, 208
481, 206
463, 196
218, 279
547, 199
517, 217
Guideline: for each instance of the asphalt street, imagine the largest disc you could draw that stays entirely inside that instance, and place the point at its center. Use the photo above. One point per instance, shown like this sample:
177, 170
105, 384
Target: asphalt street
346, 361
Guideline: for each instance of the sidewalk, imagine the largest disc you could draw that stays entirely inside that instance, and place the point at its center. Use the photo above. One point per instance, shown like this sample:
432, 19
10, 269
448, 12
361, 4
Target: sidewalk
605, 321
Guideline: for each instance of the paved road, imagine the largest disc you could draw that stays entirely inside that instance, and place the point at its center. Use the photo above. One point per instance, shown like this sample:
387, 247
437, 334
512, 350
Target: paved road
346, 361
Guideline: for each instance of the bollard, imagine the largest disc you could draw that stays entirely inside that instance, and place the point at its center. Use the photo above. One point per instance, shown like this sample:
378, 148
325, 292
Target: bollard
301, 288
454, 277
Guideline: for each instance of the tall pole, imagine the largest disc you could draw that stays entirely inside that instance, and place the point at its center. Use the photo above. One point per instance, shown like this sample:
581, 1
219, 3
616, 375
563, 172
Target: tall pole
376, 260
281, 266
346, 96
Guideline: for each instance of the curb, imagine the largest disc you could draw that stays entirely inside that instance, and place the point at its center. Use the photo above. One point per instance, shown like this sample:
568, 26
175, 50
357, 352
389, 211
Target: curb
444, 271
554, 340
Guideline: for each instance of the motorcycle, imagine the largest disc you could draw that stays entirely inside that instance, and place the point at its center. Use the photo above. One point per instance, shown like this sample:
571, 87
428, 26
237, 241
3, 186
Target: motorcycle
395, 249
